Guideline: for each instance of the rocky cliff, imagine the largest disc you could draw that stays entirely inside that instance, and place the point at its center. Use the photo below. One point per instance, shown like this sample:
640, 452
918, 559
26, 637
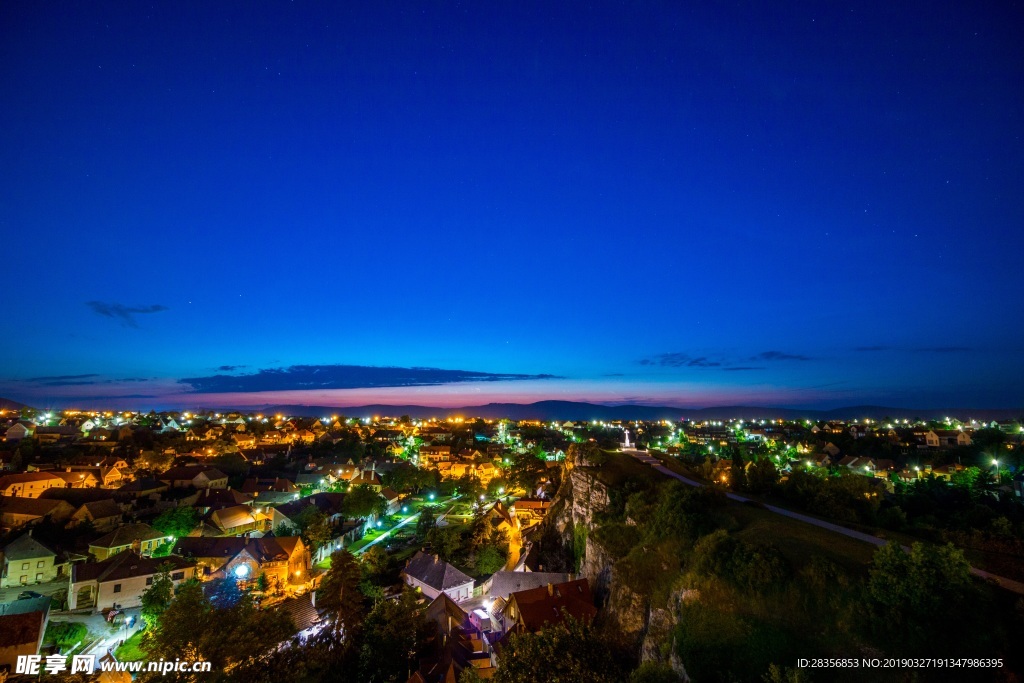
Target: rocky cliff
645, 629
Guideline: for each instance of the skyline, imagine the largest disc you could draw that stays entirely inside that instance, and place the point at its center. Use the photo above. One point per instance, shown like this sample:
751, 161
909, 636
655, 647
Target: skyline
455, 205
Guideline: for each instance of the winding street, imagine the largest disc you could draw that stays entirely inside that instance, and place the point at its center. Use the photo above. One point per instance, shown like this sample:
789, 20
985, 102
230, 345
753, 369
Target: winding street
1009, 584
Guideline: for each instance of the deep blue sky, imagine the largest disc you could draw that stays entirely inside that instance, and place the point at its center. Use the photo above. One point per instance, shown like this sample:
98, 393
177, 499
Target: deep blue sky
812, 204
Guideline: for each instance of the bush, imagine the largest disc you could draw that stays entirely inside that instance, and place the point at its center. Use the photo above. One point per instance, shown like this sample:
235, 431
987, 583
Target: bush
65, 633
617, 539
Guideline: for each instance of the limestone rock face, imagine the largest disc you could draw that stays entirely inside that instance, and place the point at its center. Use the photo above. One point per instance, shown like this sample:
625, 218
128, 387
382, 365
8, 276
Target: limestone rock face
646, 629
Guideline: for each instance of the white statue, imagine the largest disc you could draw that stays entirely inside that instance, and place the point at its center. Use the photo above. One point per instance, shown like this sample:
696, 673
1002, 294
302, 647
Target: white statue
627, 437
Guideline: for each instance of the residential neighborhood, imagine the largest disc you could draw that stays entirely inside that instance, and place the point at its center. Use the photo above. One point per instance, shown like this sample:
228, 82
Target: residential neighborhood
450, 512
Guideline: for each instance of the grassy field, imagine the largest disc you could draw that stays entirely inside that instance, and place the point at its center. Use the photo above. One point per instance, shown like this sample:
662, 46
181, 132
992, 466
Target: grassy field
798, 541
620, 468
131, 650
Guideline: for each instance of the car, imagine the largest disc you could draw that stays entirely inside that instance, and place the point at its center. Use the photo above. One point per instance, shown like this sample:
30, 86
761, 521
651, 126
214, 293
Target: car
28, 595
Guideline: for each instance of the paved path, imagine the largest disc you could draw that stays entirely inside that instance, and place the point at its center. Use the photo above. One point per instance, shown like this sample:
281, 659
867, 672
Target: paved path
642, 456
407, 520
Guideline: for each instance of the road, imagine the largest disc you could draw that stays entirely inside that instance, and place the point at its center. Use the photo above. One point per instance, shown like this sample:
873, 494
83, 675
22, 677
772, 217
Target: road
642, 456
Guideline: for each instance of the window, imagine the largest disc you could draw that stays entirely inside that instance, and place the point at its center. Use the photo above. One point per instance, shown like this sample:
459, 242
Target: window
24, 565
39, 564
149, 581
24, 580
39, 577
117, 588
177, 576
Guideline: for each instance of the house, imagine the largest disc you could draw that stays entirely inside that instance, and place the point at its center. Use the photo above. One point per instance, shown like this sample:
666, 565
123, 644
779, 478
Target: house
199, 476
946, 438
284, 560
485, 472
428, 574
22, 625
56, 434
432, 455
244, 440
19, 431
503, 584
107, 476
121, 580
141, 538
142, 488
104, 515
17, 512
393, 500
77, 480
270, 491
530, 510
216, 499
831, 449
529, 611
26, 561
29, 484
234, 520
822, 460
453, 644
499, 517
436, 434
367, 478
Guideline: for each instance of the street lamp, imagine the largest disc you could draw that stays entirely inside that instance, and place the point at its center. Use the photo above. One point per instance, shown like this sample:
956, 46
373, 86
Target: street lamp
128, 622
995, 465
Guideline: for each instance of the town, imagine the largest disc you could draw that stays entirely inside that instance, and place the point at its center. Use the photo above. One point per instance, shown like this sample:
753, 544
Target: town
120, 527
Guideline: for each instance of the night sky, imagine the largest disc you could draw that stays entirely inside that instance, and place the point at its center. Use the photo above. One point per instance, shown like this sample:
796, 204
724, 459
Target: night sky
785, 204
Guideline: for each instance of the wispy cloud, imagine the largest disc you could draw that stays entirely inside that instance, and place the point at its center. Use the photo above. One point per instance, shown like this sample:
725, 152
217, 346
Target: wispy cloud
916, 349
731, 362
60, 378
779, 355
126, 314
230, 368
680, 360
302, 377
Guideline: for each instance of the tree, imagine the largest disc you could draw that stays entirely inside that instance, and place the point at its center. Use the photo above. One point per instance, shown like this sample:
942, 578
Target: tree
407, 478
375, 560
153, 460
653, 672
427, 520
738, 472
762, 475
911, 592
524, 471
340, 598
570, 651
157, 597
394, 631
488, 560
178, 522
314, 527
446, 542
363, 502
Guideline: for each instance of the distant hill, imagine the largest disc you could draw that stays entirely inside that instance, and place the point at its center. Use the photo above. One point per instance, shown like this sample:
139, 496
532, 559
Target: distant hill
577, 411
8, 404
